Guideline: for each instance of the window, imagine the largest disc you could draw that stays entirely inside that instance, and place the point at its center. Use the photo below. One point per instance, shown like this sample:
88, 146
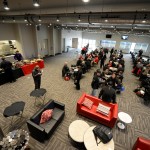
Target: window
125, 45
107, 43
91, 43
142, 46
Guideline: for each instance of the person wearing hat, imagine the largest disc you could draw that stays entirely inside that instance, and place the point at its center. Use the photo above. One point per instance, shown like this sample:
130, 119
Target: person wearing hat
7, 67
18, 56
36, 73
108, 94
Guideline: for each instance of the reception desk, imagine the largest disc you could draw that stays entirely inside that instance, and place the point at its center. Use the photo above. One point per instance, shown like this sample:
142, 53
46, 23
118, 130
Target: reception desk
27, 69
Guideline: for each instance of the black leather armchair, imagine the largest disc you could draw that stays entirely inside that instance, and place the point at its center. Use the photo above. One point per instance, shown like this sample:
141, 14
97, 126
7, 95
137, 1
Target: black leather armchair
41, 132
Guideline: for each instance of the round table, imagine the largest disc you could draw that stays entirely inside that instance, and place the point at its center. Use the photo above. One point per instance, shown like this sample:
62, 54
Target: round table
124, 118
77, 129
90, 141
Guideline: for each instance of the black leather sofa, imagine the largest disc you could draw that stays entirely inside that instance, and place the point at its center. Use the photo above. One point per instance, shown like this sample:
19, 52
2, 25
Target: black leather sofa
42, 132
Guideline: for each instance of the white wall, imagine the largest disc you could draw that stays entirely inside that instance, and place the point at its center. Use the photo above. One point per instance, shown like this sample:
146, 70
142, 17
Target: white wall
68, 35
7, 32
28, 40
57, 41
42, 34
117, 38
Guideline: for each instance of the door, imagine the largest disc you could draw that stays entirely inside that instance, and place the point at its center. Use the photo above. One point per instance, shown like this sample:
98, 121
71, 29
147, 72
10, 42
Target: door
45, 47
74, 42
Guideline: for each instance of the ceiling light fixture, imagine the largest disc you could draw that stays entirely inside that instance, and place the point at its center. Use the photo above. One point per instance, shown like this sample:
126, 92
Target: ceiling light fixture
79, 18
85, 1
39, 19
106, 20
112, 26
14, 19
5, 3
57, 19
50, 24
144, 21
36, 3
25, 19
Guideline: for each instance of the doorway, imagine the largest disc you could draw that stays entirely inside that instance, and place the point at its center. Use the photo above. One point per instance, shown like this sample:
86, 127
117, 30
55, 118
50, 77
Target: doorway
74, 42
45, 47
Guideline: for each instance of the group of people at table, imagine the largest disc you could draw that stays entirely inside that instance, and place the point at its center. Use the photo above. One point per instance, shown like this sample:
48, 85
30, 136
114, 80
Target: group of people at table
109, 76
7, 66
141, 68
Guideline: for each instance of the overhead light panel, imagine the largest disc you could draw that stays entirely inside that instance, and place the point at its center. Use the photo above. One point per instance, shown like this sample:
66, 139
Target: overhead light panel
5, 3
36, 3
85, 1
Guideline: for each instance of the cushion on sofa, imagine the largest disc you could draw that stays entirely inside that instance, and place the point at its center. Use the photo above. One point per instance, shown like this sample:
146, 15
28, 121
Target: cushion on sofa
49, 125
57, 113
46, 115
87, 103
105, 110
36, 117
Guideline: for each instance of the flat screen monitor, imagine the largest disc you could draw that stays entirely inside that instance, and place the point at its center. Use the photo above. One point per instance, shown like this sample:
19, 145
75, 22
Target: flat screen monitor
108, 35
124, 37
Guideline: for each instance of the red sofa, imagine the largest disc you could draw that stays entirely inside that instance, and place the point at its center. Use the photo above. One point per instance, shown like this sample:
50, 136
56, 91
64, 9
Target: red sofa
141, 144
92, 114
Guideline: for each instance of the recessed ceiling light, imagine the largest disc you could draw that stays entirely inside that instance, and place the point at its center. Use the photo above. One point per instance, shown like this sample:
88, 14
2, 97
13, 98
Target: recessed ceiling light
36, 3
85, 1
143, 21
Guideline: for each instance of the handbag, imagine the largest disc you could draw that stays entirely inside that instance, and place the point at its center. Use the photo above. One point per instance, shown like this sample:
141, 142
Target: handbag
103, 133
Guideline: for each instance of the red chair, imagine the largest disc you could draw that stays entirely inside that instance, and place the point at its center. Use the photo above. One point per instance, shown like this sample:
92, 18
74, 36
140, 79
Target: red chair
141, 144
109, 120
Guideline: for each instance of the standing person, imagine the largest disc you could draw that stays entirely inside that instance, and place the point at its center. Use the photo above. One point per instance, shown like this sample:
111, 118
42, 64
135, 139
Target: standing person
102, 62
36, 73
108, 94
111, 52
18, 56
7, 67
95, 82
78, 78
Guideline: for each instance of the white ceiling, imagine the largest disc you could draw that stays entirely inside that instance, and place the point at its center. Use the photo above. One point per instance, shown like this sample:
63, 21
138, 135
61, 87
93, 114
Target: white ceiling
69, 10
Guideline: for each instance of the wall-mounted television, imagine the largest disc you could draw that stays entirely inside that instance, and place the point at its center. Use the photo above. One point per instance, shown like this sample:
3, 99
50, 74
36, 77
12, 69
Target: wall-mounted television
124, 37
108, 36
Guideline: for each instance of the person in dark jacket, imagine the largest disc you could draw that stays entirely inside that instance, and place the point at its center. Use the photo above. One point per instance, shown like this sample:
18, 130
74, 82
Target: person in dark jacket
108, 94
102, 61
78, 78
7, 67
36, 73
95, 82
113, 81
18, 56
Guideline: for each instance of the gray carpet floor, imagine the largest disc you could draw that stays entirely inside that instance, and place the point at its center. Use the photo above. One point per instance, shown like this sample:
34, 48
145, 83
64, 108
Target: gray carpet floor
65, 92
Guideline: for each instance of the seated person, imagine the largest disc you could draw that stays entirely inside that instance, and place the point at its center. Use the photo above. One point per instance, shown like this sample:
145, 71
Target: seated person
108, 94
113, 80
120, 68
84, 67
79, 62
65, 70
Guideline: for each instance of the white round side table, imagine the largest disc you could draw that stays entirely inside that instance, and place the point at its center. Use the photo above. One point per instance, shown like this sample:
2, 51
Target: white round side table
90, 141
77, 129
125, 119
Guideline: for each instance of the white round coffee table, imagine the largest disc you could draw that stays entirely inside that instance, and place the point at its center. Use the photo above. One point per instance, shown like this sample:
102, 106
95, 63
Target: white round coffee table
125, 119
90, 141
77, 129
